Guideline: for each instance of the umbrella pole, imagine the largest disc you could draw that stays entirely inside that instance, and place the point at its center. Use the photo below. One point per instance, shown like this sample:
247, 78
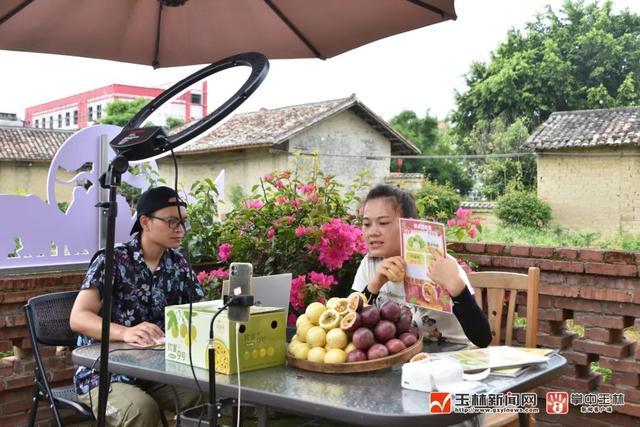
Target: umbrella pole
111, 180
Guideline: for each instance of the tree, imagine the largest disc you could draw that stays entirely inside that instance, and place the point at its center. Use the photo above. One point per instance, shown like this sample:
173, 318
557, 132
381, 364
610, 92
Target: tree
424, 133
119, 112
583, 57
173, 122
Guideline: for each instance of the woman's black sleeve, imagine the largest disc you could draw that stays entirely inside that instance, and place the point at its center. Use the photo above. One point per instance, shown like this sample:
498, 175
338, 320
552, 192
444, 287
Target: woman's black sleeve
473, 321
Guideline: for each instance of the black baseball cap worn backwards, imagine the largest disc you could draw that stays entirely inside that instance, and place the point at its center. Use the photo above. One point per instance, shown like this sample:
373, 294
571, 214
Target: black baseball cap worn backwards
154, 199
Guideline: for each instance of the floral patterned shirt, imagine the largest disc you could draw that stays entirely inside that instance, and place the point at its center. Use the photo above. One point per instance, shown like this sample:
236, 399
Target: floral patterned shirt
138, 295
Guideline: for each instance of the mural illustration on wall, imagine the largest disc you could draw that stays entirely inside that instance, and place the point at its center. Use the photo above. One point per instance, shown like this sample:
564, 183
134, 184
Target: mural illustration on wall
36, 232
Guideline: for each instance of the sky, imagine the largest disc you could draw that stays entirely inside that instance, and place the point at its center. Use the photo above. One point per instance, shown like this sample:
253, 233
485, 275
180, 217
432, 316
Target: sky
419, 70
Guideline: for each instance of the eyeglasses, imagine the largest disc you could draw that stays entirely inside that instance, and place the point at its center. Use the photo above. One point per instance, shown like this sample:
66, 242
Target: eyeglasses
173, 222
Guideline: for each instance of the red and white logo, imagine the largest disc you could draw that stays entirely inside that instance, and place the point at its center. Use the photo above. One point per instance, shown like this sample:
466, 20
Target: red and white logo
440, 403
557, 402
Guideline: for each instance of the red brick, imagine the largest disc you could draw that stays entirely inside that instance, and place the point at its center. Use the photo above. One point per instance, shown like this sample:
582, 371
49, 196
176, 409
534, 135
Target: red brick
457, 247
613, 322
631, 394
13, 332
544, 301
551, 327
494, 249
611, 269
18, 381
61, 374
605, 294
15, 406
541, 252
566, 253
629, 408
602, 334
550, 314
626, 378
5, 345
551, 277
14, 419
512, 262
579, 358
578, 304
556, 341
619, 257
618, 350
518, 250
583, 385
559, 291
567, 266
628, 364
591, 255
621, 309
481, 260
474, 248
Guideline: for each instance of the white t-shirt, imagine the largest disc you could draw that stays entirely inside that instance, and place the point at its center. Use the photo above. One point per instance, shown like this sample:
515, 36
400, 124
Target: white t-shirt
430, 322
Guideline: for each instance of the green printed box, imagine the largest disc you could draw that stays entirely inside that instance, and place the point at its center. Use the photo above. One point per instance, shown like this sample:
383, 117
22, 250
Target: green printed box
261, 342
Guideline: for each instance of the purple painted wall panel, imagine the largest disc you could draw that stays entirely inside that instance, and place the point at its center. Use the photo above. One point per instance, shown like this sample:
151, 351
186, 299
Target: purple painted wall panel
51, 237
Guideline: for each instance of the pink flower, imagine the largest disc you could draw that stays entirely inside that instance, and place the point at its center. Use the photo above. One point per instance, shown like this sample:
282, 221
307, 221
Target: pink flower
295, 203
312, 197
324, 280
321, 299
308, 188
465, 266
338, 243
288, 218
463, 213
279, 184
472, 232
475, 222
219, 273
270, 233
224, 251
298, 292
253, 204
291, 320
281, 200
267, 177
285, 175
301, 230
451, 222
202, 276
462, 222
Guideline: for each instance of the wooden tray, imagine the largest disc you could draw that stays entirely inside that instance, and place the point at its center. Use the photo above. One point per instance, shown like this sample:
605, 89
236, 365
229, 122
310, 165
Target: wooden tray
353, 367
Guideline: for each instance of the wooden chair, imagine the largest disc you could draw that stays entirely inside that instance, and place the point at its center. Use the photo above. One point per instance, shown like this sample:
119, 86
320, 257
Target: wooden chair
495, 285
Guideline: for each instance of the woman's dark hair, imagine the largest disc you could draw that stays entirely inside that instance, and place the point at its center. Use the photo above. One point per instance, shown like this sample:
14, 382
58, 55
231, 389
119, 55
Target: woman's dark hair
402, 200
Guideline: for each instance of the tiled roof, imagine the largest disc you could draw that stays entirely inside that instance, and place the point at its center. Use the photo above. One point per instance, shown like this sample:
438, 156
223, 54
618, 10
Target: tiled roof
270, 127
588, 128
28, 144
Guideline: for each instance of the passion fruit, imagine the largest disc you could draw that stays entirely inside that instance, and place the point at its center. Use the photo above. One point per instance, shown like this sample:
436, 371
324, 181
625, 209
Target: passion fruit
316, 336
363, 338
332, 302
394, 345
370, 316
341, 306
356, 301
337, 338
329, 319
335, 355
390, 310
377, 351
350, 322
419, 357
384, 331
316, 354
314, 311
408, 338
356, 356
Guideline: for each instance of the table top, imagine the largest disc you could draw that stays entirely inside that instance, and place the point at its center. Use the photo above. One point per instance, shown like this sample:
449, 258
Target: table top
373, 398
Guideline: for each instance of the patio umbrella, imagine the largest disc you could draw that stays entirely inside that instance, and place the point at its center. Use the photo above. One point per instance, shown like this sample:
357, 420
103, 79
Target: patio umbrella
165, 33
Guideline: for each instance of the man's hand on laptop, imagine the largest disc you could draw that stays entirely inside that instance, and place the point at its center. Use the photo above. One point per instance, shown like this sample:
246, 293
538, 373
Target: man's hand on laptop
143, 334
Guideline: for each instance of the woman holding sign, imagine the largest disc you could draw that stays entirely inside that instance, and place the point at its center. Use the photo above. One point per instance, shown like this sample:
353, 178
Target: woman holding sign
381, 273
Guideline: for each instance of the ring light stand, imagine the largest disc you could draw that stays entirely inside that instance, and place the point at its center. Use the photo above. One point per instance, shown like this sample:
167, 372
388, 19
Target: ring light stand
136, 143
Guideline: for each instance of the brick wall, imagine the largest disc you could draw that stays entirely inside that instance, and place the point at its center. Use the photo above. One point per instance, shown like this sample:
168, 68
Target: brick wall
16, 372
597, 289
592, 193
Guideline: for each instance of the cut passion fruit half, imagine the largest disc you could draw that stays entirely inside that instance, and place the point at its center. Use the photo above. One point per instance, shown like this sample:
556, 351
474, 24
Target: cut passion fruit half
356, 301
329, 319
350, 322
420, 357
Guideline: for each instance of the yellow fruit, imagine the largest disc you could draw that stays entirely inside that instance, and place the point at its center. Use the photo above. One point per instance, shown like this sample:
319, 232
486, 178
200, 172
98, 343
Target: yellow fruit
326, 347
184, 330
222, 357
316, 336
349, 348
329, 319
295, 338
335, 355
301, 320
270, 351
337, 338
316, 354
263, 352
302, 331
342, 306
314, 311
174, 331
301, 351
332, 302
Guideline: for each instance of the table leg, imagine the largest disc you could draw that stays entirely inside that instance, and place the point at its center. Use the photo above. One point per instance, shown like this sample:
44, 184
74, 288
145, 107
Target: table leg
263, 415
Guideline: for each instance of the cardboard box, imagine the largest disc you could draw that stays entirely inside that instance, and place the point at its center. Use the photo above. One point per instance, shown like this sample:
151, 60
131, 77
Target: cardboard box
261, 343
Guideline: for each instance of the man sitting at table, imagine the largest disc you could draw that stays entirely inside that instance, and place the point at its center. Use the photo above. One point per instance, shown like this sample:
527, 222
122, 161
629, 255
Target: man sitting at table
149, 273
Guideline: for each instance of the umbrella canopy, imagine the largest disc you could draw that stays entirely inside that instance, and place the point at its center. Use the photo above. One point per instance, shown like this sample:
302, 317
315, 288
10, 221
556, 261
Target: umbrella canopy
165, 33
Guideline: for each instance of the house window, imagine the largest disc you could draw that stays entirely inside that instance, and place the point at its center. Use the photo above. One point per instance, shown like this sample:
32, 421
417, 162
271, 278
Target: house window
98, 111
90, 114
59, 120
37, 123
67, 119
196, 98
75, 117
50, 122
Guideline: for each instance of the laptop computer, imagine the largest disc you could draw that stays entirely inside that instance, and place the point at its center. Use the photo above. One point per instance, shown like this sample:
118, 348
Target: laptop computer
269, 291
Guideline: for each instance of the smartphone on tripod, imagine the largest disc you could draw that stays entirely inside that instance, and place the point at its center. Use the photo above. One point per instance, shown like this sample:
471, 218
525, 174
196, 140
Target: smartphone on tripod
240, 275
